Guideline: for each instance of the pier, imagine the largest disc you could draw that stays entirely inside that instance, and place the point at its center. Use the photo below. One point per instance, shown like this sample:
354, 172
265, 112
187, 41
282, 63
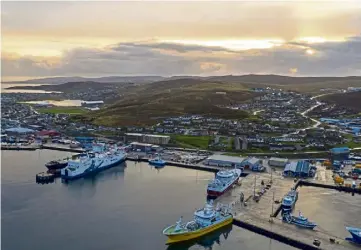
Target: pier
261, 215
329, 186
62, 148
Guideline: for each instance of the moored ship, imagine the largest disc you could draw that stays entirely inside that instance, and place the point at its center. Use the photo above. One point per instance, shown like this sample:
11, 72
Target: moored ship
355, 233
157, 161
58, 164
99, 159
299, 220
224, 181
206, 220
288, 202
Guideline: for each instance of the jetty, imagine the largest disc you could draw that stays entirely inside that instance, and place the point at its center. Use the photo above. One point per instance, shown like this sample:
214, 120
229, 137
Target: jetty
259, 212
65, 148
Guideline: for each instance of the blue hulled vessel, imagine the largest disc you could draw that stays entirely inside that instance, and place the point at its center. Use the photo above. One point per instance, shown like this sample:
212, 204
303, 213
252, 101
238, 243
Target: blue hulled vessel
299, 220
355, 233
288, 202
157, 161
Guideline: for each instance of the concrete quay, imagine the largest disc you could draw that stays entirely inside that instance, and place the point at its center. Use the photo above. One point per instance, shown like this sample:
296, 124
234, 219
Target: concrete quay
256, 216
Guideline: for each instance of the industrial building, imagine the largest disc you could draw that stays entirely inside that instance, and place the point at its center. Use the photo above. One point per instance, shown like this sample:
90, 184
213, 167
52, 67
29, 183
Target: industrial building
224, 161
145, 147
339, 154
252, 163
278, 162
301, 169
147, 138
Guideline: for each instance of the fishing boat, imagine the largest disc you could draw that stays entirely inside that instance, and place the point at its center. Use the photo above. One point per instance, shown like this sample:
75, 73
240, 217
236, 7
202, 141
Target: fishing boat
299, 220
205, 220
58, 164
204, 242
100, 158
223, 181
289, 201
355, 233
157, 161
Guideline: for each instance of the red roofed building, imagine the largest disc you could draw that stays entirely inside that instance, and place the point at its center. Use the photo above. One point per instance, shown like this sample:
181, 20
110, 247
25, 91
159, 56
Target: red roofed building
47, 133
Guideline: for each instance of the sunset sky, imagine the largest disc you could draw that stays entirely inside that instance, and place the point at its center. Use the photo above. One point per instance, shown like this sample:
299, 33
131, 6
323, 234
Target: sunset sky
41, 39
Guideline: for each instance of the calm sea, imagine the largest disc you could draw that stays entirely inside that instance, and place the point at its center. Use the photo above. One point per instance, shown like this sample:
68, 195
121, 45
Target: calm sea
123, 208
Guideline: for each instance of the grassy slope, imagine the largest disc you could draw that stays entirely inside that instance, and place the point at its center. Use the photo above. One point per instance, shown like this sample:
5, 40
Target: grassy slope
200, 142
350, 100
147, 104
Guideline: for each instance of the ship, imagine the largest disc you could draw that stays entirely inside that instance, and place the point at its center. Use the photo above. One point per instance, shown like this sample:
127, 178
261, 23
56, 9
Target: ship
58, 164
100, 158
157, 161
207, 241
299, 220
355, 233
224, 181
206, 220
289, 201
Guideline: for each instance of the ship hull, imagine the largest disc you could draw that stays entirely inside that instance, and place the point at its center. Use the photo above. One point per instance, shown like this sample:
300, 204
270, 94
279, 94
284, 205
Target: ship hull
97, 170
216, 193
56, 166
174, 238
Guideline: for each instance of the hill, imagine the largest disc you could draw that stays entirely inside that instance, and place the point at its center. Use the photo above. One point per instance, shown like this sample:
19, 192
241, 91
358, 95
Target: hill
351, 100
69, 87
150, 103
107, 79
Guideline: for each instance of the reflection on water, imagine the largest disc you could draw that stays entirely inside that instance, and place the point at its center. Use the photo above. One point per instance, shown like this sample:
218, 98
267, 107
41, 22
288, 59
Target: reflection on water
207, 241
88, 184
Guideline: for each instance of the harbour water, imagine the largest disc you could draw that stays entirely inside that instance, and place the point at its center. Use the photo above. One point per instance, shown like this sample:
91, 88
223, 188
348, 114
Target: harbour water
4, 89
125, 207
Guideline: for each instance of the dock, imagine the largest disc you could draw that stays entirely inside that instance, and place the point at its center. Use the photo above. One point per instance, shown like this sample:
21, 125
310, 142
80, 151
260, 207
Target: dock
262, 216
199, 167
62, 148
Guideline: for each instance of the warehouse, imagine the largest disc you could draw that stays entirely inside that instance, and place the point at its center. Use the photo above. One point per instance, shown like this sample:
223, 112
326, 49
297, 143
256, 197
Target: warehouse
301, 169
252, 163
224, 161
278, 162
340, 154
147, 138
145, 147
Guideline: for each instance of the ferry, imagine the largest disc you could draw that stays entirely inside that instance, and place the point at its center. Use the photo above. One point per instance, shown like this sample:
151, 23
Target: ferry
157, 161
224, 181
289, 201
99, 159
206, 220
355, 233
299, 220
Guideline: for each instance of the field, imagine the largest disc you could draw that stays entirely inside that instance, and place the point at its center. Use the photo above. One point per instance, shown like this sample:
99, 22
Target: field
190, 141
62, 110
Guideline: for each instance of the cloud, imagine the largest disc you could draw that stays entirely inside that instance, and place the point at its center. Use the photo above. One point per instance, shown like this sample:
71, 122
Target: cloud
157, 58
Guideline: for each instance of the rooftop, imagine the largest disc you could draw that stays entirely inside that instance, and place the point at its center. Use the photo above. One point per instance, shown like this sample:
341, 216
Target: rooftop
234, 159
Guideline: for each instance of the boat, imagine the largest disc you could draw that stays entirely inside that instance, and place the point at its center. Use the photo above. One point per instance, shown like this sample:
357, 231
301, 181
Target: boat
157, 161
100, 158
299, 220
58, 164
206, 220
289, 201
223, 181
355, 233
204, 242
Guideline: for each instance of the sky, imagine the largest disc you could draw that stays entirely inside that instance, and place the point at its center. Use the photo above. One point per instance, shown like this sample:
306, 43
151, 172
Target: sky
89, 38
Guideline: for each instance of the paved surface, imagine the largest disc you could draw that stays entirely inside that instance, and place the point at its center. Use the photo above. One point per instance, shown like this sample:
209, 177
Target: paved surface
259, 213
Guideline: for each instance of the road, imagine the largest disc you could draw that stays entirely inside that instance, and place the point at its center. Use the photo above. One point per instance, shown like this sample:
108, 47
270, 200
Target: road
257, 111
